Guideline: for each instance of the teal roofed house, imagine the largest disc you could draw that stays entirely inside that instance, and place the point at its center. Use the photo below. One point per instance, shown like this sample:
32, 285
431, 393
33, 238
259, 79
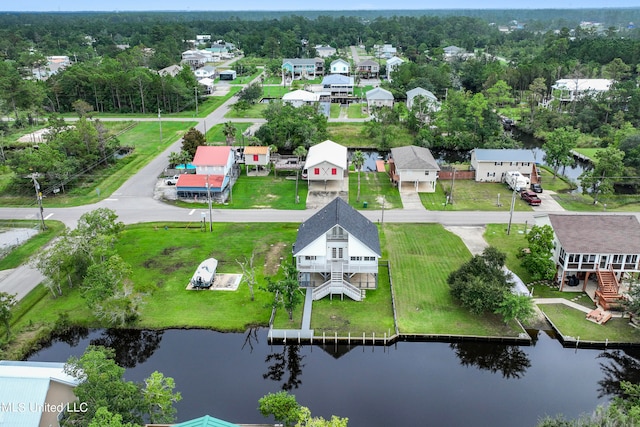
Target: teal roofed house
35, 394
206, 421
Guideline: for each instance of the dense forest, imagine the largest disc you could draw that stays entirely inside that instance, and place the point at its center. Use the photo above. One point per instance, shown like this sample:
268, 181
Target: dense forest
116, 58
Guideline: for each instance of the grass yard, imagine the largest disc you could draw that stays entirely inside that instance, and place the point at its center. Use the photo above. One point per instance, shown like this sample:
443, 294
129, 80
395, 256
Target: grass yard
373, 187
584, 203
422, 256
357, 111
144, 137
252, 112
214, 133
572, 323
589, 152
469, 195
274, 91
557, 184
349, 135
511, 244
261, 192
334, 111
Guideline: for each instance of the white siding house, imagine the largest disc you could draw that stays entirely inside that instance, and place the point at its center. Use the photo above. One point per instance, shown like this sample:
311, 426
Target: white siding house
414, 168
340, 66
379, 97
257, 156
491, 165
337, 252
326, 161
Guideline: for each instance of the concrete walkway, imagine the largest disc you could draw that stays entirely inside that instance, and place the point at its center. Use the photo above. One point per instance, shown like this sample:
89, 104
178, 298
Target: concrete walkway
411, 200
305, 332
562, 301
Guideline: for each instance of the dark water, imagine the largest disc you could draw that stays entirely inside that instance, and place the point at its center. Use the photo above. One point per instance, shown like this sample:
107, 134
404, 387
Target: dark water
408, 384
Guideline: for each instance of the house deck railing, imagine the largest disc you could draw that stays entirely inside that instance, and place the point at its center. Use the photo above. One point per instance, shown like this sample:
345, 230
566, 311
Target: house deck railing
347, 267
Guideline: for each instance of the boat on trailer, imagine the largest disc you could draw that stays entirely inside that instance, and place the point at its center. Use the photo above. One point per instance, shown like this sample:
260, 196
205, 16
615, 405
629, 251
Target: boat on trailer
205, 274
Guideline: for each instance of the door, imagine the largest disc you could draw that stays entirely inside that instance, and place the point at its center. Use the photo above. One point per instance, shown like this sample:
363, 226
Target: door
603, 261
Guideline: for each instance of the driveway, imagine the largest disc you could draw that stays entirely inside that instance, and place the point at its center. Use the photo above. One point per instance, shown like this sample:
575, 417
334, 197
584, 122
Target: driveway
411, 200
549, 204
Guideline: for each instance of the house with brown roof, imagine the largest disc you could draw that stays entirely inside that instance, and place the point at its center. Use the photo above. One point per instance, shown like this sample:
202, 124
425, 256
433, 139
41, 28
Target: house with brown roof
368, 69
604, 245
413, 168
256, 156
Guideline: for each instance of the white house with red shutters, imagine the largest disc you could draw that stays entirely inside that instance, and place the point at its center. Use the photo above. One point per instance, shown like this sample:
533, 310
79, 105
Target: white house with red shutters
326, 161
256, 156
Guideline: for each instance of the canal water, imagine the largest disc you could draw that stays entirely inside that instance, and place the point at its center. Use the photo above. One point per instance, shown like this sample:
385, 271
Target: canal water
407, 384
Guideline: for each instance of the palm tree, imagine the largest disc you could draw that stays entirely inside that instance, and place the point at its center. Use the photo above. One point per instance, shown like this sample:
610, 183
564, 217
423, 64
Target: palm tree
358, 160
174, 158
229, 132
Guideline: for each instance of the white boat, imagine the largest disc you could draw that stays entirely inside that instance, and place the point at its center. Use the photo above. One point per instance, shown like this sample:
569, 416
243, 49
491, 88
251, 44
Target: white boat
205, 273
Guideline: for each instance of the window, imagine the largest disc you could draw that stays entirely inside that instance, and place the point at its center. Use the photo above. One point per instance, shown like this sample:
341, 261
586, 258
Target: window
356, 258
574, 258
309, 258
426, 173
632, 259
617, 259
334, 171
588, 258
255, 157
369, 258
316, 171
498, 163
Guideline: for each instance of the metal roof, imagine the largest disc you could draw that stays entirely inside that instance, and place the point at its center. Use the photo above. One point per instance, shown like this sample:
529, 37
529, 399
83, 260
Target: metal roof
206, 421
421, 92
207, 155
504, 155
379, 93
338, 212
327, 151
597, 234
337, 79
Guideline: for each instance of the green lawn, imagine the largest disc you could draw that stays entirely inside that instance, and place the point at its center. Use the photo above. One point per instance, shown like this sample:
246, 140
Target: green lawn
511, 244
252, 112
589, 152
469, 195
274, 91
261, 192
144, 137
373, 187
584, 203
557, 184
422, 256
572, 323
357, 111
349, 135
334, 111
214, 133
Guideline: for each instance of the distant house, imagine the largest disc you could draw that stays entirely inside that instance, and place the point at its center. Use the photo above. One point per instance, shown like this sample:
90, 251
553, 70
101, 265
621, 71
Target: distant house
326, 161
414, 166
568, 90
208, 71
325, 51
368, 69
453, 51
428, 97
196, 58
337, 251
299, 68
340, 66
227, 75
208, 84
384, 51
300, 97
491, 165
392, 64
171, 70
27, 387
338, 86
379, 97
594, 244
257, 156
215, 172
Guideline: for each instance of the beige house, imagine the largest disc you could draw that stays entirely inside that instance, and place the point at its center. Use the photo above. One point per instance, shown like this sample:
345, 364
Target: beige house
492, 165
413, 168
326, 161
257, 156
35, 394
379, 97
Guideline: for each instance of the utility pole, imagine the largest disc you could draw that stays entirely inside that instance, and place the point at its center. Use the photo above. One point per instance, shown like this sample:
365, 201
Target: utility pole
36, 185
210, 211
195, 89
160, 123
513, 203
382, 220
453, 181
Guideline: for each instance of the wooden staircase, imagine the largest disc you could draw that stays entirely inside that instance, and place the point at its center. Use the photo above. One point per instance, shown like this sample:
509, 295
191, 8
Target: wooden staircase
336, 285
608, 292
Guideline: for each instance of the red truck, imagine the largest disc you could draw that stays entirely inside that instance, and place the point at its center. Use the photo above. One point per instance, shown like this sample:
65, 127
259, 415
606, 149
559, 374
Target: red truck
530, 197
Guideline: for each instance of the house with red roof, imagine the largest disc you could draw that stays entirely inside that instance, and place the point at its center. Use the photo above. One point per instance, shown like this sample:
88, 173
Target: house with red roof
216, 171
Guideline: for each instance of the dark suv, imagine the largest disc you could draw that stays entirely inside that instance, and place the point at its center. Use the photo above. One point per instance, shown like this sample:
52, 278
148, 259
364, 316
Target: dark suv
537, 188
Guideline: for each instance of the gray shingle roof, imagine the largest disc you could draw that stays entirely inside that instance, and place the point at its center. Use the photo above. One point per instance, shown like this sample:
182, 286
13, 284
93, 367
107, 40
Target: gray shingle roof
592, 234
504, 155
413, 157
338, 212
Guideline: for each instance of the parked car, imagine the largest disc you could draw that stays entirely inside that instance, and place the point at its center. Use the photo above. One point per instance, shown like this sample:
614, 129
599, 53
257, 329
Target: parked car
536, 188
530, 197
172, 180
